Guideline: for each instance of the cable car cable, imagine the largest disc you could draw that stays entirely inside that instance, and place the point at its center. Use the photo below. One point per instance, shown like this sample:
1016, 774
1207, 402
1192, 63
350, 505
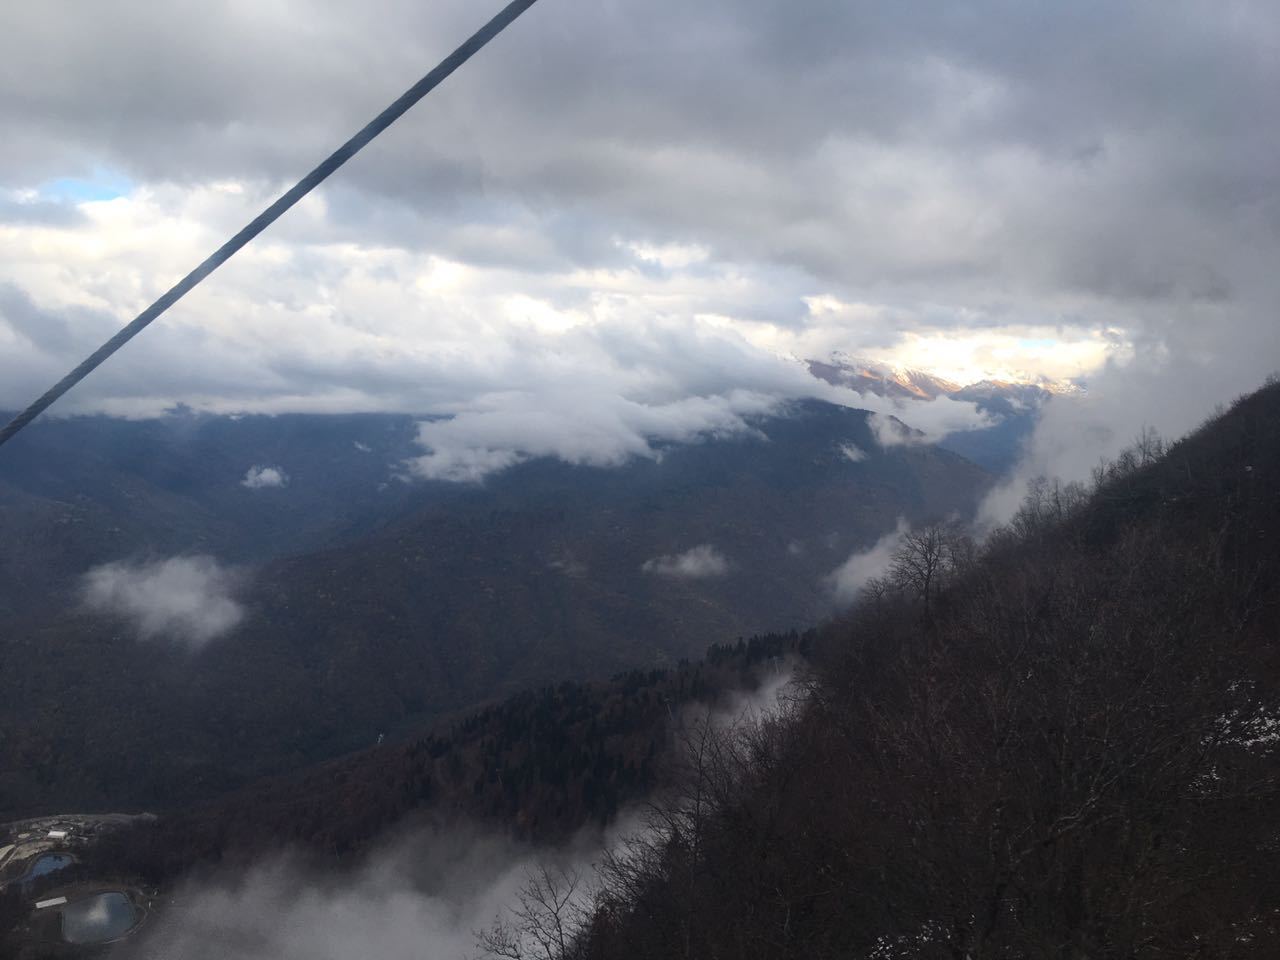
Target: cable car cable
273, 212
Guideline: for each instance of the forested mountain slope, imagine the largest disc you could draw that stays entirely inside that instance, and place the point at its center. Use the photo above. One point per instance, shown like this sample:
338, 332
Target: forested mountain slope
547, 571
538, 767
82, 491
1066, 744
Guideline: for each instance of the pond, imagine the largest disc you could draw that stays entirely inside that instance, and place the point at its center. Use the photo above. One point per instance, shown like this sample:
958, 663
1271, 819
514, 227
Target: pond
96, 919
49, 863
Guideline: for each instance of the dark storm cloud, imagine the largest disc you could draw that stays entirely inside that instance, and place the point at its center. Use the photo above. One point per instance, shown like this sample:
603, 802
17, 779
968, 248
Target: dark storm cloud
43, 329
721, 122
1108, 171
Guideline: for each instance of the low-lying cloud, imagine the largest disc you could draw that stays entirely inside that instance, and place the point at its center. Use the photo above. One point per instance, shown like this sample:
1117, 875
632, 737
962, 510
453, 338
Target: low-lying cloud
605, 431
427, 894
600, 396
607, 428
264, 478
847, 580
900, 421
1171, 392
852, 452
698, 563
424, 892
189, 600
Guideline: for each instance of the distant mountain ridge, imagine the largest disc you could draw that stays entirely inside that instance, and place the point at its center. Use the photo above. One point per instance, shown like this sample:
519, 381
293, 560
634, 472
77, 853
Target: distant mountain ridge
80, 491
881, 379
1098, 684
898, 382
1014, 408
452, 594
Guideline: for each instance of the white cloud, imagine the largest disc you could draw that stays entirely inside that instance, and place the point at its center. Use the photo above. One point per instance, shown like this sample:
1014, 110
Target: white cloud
578, 427
423, 892
898, 422
847, 580
988, 219
423, 895
605, 393
890, 431
698, 563
262, 478
853, 453
1170, 390
185, 599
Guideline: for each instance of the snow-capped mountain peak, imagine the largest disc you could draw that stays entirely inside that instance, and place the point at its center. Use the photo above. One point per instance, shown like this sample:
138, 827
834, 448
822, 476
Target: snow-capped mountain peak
899, 382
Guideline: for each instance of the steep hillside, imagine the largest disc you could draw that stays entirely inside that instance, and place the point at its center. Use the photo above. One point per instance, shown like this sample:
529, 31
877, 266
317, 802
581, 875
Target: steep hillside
1064, 745
89, 490
548, 571
540, 767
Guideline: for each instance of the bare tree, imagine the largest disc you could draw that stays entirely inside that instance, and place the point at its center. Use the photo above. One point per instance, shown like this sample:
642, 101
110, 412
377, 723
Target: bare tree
1148, 446
552, 908
926, 558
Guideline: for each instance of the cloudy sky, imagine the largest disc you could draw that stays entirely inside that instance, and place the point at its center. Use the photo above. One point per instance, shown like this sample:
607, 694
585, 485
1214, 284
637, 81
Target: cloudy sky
642, 206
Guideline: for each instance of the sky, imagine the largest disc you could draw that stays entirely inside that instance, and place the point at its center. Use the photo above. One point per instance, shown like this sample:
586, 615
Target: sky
646, 211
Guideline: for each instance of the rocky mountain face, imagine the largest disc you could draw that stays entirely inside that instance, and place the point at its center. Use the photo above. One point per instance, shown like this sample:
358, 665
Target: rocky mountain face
880, 378
1013, 408
888, 380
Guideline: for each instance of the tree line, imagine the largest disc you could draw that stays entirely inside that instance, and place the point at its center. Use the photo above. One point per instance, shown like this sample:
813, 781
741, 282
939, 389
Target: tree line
1061, 744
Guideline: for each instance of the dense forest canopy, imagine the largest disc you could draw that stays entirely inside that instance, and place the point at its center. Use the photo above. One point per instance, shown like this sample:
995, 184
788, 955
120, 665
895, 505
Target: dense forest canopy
448, 598
1063, 744
1059, 740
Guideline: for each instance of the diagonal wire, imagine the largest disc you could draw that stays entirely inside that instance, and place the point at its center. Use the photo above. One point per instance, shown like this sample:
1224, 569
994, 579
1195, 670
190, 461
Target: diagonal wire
273, 212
